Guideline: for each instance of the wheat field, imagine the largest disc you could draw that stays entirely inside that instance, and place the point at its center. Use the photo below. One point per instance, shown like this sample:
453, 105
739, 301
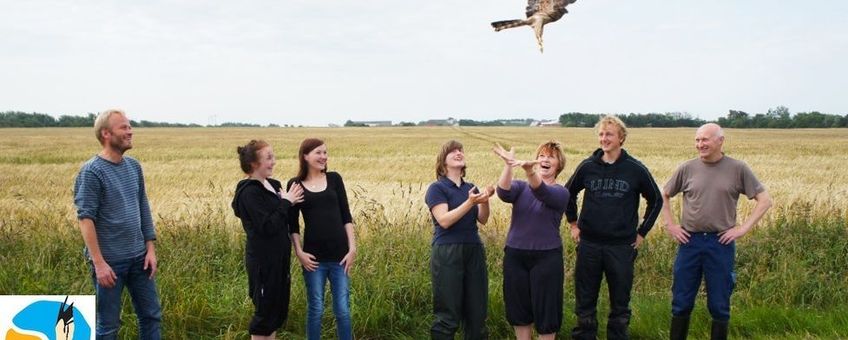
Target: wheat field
793, 281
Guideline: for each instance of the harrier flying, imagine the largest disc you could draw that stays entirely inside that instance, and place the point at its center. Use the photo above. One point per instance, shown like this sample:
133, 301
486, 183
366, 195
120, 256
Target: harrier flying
539, 13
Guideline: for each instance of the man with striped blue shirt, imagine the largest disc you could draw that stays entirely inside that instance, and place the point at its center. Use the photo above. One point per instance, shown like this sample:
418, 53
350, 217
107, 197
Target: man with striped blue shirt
117, 228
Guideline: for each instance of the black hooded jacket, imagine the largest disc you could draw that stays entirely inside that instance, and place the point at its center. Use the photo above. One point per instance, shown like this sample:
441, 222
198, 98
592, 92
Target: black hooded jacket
610, 213
264, 217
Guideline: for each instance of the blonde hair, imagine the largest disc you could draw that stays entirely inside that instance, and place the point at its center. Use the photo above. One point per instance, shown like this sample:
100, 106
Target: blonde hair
613, 120
553, 148
102, 122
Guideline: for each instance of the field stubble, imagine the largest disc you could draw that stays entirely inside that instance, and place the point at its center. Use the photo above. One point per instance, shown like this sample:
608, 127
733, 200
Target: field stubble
792, 281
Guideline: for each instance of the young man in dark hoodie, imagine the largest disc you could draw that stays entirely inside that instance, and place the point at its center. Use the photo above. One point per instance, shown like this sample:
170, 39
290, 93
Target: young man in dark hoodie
606, 230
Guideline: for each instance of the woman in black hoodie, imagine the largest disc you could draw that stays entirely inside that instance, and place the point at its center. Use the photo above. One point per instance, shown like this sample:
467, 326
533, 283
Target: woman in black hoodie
263, 207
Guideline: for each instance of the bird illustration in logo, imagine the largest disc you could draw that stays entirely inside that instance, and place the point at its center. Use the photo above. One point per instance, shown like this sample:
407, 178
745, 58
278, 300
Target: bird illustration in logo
40, 320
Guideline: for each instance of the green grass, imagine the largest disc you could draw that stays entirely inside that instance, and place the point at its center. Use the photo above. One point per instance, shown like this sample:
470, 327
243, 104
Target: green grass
791, 279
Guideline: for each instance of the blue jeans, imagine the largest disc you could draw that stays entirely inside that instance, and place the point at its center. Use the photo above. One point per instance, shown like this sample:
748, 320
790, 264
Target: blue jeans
145, 300
339, 287
704, 256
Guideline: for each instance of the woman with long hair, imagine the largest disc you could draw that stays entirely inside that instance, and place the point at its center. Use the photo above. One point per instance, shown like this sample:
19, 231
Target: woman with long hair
457, 258
263, 208
533, 265
329, 247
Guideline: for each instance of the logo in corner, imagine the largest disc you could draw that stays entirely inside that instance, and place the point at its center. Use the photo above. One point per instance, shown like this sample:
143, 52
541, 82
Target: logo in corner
47, 317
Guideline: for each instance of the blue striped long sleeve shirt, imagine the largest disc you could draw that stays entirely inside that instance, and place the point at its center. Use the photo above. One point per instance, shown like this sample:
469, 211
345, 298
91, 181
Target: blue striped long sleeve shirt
113, 196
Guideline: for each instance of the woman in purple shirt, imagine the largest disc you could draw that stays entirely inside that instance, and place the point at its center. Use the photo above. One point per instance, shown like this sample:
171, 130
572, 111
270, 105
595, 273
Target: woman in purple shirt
533, 264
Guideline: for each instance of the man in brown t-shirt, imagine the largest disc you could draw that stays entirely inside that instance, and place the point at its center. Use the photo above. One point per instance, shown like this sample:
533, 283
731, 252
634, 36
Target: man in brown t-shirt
711, 185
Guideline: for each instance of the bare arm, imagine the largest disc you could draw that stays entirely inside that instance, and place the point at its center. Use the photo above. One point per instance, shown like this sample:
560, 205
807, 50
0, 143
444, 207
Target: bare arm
764, 202
505, 181
483, 211
347, 261
533, 177
447, 218
674, 230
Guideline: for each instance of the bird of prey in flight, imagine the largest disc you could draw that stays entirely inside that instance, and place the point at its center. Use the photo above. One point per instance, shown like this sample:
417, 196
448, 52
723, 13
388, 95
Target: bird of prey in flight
539, 13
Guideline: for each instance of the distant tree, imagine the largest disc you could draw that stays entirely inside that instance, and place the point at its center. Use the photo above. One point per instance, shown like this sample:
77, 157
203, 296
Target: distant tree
737, 119
578, 119
354, 124
813, 119
77, 121
233, 124
23, 119
406, 124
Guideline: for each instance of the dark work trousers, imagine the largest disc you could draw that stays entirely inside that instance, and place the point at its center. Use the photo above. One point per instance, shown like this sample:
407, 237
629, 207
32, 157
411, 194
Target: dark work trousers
460, 290
594, 261
703, 256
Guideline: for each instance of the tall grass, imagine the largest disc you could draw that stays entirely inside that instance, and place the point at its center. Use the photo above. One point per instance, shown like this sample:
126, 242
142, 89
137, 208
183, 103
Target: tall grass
792, 276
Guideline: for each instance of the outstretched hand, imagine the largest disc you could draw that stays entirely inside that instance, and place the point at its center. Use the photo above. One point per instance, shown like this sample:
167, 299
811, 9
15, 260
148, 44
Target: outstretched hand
477, 196
507, 156
526, 165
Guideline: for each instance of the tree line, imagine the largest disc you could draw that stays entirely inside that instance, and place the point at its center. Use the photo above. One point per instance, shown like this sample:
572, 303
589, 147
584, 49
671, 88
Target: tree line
23, 119
776, 118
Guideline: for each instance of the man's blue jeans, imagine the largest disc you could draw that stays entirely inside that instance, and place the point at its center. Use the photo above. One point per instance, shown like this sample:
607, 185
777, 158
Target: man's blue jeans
339, 287
145, 300
704, 256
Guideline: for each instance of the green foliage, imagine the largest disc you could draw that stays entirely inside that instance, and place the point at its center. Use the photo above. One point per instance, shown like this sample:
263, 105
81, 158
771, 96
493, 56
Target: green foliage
792, 277
780, 118
671, 119
32, 120
236, 124
577, 119
351, 123
23, 119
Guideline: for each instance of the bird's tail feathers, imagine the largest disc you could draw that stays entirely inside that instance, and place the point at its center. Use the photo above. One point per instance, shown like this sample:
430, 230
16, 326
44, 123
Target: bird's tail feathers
502, 25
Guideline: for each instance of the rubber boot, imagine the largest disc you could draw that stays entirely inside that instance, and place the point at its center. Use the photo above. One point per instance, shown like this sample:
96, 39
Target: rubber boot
719, 330
679, 327
586, 329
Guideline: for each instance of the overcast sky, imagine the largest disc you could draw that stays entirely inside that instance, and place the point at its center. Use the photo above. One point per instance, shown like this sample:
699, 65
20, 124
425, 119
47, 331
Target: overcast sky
310, 62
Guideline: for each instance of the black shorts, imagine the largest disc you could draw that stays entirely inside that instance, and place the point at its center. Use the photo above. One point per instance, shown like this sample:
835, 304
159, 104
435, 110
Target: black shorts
533, 288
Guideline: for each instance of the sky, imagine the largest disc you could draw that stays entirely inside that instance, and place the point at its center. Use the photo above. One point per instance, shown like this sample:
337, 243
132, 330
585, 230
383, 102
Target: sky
309, 62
